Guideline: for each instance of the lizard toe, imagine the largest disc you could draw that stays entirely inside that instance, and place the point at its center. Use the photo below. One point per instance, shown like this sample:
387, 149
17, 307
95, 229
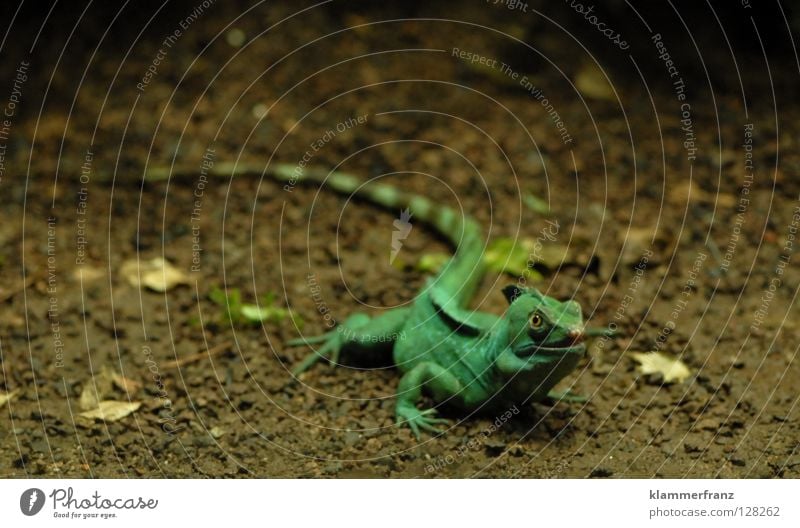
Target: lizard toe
313, 340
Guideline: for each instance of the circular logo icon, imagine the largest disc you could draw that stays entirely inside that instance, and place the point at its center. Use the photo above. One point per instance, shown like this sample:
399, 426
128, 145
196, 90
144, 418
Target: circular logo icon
31, 501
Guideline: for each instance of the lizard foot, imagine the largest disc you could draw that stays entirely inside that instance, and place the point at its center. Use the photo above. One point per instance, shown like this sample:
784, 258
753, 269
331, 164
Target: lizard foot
333, 342
418, 419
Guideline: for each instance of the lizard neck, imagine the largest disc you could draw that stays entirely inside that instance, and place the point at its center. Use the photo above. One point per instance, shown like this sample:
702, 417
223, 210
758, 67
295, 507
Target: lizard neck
495, 344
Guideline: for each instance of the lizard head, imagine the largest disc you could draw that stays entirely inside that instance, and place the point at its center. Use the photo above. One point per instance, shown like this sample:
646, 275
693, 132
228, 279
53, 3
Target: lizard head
545, 337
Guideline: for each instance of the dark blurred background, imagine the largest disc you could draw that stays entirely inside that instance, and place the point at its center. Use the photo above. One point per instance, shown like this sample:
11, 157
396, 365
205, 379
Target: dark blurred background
704, 36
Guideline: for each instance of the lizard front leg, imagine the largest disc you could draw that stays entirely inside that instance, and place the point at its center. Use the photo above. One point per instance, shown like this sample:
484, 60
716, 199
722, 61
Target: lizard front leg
436, 380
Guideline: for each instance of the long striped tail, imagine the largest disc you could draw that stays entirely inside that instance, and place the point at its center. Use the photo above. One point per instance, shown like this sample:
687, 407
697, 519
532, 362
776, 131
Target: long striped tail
460, 277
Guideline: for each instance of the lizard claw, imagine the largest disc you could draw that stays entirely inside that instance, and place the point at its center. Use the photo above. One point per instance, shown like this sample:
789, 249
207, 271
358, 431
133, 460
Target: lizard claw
419, 419
310, 340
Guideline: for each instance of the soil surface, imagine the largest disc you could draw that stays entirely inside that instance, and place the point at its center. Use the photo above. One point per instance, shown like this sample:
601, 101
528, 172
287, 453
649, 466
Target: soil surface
677, 205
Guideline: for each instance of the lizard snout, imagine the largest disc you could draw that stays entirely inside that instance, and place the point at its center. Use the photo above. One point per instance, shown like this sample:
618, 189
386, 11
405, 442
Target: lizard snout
576, 335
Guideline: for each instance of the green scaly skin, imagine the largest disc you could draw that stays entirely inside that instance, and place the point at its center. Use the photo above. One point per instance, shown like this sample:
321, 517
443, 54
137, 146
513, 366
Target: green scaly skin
457, 356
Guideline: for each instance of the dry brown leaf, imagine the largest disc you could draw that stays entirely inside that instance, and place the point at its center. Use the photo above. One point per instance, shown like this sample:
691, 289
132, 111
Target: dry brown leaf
95, 390
685, 191
88, 399
670, 368
111, 411
88, 273
591, 81
7, 397
125, 384
156, 274
216, 432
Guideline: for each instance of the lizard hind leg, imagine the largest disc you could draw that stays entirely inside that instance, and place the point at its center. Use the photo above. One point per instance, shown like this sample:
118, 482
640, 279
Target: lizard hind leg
332, 343
357, 331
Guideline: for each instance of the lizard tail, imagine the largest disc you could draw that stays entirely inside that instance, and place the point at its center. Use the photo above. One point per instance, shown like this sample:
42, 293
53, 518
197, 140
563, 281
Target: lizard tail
461, 275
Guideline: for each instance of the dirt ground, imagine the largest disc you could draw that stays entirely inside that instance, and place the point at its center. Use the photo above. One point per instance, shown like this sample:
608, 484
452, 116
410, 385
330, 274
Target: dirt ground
680, 233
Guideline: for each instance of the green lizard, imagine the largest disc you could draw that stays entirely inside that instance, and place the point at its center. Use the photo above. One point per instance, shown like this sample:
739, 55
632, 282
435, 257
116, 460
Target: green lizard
460, 357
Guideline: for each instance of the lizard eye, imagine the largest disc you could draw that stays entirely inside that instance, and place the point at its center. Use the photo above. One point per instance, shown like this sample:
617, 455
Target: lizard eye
536, 321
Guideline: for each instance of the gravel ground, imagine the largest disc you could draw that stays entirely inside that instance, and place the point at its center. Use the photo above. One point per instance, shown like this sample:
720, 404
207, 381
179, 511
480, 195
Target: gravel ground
677, 197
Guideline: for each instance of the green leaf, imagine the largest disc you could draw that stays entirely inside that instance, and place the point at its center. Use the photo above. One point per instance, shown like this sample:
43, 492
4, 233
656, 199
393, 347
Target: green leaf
238, 312
432, 262
254, 313
536, 204
507, 255
268, 299
230, 302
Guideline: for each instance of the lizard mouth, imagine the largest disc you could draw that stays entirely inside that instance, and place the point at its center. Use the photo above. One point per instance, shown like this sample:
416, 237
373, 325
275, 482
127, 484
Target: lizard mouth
551, 351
